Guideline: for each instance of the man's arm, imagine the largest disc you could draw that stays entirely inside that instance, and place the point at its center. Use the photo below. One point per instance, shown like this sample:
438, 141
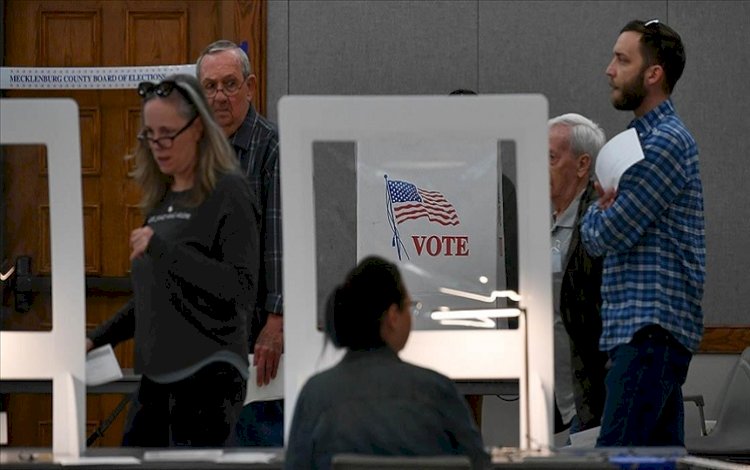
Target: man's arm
270, 342
646, 190
268, 349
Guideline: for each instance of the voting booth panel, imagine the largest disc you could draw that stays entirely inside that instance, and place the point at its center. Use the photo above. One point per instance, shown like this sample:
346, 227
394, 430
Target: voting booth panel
58, 354
426, 173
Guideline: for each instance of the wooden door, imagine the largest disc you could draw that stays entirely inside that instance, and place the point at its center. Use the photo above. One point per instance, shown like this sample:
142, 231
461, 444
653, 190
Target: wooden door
88, 33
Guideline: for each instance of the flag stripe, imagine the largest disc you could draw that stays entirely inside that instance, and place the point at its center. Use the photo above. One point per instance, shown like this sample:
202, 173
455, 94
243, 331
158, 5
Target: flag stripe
410, 202
447, 211
401, 214
429, 216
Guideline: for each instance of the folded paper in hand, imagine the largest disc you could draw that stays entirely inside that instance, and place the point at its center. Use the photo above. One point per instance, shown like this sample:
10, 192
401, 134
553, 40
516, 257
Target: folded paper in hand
585, 438
620, 153
102, 366
273, 391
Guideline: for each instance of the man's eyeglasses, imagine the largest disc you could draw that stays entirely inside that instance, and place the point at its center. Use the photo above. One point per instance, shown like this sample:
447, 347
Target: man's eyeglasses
167, 141
229, 87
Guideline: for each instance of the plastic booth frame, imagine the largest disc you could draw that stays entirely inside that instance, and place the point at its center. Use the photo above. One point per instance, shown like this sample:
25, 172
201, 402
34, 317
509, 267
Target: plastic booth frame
59, 354
526, 353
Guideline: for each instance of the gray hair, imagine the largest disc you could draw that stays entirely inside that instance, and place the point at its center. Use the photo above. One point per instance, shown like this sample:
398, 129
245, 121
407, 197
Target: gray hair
216, 155
586, 136
224, 45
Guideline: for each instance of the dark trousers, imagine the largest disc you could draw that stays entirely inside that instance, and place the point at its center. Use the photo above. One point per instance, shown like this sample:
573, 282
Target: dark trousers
643, 405
198, 411
261, 424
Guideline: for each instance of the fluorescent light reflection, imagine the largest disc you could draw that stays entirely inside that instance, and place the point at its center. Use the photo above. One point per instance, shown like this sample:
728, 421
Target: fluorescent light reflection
494, 295
478, 323
475, 314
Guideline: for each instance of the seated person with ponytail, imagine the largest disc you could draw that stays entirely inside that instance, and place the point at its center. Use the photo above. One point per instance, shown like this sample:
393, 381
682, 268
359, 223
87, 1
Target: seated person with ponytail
372, 402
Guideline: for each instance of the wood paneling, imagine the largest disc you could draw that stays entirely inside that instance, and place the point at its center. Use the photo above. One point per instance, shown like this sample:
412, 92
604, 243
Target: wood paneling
725, 340
92, 242
36, 427
97, 33
250, 24
91, 158
157, 37
69, 38
90, 126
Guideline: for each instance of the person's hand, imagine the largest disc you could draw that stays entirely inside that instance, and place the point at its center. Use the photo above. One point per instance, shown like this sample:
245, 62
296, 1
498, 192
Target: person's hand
89, 345
268, 349
606, 197
139, 239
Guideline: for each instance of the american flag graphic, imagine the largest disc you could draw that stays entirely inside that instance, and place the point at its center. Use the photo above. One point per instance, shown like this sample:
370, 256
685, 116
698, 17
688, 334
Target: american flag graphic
410, 202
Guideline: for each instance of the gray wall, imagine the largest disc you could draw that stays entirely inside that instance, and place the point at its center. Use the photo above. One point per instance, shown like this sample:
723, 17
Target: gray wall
556, 48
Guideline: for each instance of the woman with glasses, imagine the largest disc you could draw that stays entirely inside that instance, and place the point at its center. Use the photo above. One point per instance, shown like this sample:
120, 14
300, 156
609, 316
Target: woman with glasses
194, 272
372, 402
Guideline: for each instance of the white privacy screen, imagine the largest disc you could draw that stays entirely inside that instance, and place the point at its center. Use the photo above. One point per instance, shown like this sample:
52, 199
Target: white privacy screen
424, 175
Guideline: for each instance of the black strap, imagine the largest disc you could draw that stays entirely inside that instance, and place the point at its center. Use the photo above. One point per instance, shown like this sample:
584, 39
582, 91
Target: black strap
104, 425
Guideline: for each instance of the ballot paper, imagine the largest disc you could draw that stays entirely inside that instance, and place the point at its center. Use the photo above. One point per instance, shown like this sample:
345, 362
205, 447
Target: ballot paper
247, 457
585, 438
208, 455
620, 153
183, 455
102, 366
3, 428
96, 462
273, 391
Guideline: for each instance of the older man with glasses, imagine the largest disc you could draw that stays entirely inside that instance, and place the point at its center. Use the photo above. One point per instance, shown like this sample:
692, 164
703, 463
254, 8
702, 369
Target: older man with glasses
225, 73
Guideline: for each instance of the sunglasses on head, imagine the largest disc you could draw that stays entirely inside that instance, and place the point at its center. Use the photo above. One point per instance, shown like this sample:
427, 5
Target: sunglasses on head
161, 89
653, 28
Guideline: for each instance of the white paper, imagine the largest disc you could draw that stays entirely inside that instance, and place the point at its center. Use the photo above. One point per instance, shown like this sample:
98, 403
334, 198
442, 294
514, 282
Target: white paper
247, 457
620, 153
585, 438
102, 366
183, 455
97, 461
3, 428
73, 427
273, 391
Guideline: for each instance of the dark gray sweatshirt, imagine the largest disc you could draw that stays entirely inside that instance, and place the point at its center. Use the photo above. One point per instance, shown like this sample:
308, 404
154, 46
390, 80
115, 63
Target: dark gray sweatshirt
194, 286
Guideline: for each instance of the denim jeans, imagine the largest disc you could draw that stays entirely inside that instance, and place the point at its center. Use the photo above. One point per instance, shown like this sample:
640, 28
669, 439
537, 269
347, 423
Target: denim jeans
643, 405
261, 424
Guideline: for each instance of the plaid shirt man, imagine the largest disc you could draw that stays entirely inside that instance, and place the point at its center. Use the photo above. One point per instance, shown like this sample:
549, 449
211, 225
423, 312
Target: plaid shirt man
256, 143
652, 237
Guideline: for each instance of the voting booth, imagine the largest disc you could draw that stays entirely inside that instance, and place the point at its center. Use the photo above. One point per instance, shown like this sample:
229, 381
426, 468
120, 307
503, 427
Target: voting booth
59, 354
423, 192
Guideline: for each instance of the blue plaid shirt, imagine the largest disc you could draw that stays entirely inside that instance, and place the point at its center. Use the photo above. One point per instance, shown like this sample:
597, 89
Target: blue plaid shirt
256, 143
652, 237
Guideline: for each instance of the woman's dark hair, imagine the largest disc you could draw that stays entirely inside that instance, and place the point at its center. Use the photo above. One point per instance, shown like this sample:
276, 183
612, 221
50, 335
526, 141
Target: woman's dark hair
355, 308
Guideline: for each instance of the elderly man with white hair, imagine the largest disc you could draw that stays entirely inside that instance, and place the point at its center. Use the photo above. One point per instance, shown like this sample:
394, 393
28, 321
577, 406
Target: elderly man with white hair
574, 142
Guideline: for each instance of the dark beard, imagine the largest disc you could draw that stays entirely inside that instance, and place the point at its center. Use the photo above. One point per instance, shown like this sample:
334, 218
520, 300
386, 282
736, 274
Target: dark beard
632, 94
